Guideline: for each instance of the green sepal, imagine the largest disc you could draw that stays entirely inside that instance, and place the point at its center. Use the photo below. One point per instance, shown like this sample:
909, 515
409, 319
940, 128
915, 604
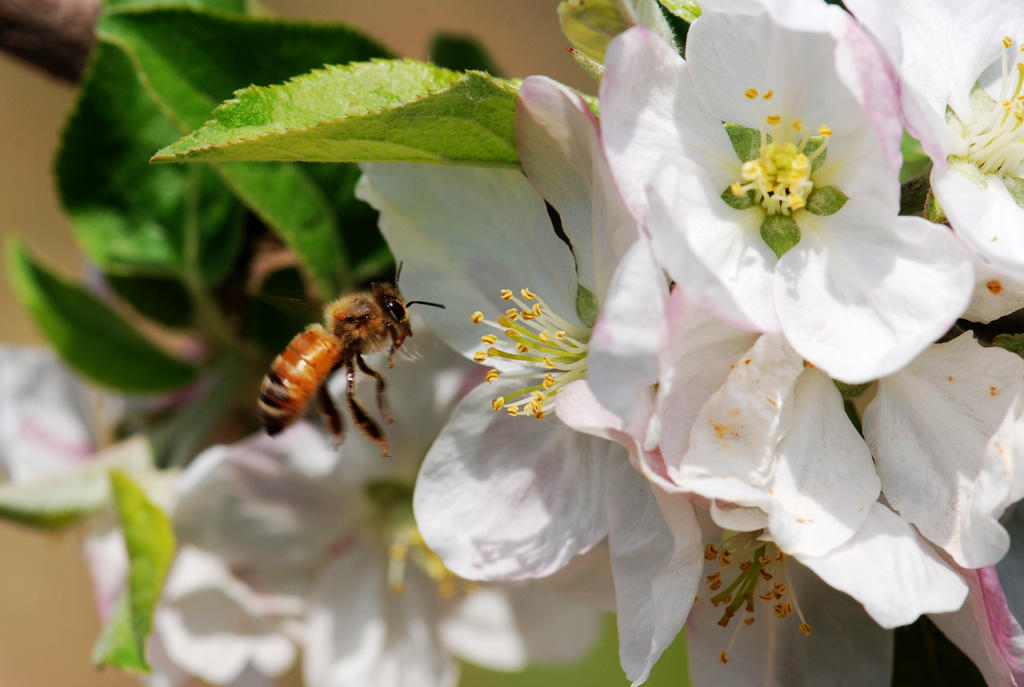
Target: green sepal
745, 141
88, 334
933, 211
1014, 343
149, 541
586, 306
1016, 188
746, 200
386, 110
56, 502
813, 143
849, 391
780, 232
915, 161
826, 200
914, 193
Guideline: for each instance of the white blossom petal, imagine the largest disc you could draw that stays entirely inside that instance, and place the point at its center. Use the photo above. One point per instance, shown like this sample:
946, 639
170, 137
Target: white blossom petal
888, 568
860, 298
931, 427
503, 497
360, 634
846, 648
505, 627
482, 229
995, 294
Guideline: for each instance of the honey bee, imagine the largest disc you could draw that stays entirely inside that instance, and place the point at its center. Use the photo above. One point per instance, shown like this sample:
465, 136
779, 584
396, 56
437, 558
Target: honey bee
356, 324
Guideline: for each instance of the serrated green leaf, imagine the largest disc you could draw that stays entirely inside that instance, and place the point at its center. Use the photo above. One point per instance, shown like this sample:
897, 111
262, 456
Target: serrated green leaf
390, 110
687, 10
88, 334
780, 233
461, 53
190, 60
149, 540
61, 500
129, 216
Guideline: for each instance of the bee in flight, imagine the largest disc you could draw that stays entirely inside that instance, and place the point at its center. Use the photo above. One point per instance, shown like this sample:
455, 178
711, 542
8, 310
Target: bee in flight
356, 324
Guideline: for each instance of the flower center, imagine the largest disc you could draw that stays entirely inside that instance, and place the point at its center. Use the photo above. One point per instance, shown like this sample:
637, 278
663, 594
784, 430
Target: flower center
548, 351
778, 174
758, 571
995, 141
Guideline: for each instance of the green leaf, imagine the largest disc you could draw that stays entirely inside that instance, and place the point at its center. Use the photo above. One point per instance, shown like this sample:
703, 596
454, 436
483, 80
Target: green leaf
61, 500
461, 53
1014, 343
745, 141
591, 24
163, 300
393, 110
191, 60
915, 161
88, 334
780, 233
826, 200
687, 10
149, 540
129, 216
224, 5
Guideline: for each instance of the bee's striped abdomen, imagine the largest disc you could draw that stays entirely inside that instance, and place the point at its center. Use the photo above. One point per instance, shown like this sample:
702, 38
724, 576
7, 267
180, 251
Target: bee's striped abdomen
294, 377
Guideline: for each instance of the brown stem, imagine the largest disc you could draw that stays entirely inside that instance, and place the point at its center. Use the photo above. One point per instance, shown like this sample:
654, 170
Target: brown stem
54, 35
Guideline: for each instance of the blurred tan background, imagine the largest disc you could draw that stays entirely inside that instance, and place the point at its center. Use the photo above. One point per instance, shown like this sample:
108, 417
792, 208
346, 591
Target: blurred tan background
47, 622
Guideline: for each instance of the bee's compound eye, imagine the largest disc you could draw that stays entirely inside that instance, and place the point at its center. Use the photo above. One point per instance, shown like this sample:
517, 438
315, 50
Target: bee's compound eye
395, 309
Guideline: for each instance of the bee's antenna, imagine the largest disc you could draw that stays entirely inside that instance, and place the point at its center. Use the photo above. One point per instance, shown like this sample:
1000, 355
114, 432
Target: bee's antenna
398, 271
436, 305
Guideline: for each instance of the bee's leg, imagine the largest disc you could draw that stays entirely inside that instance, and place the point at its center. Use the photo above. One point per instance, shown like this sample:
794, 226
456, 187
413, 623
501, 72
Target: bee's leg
396, 341
334, 423
382, 401
359, 414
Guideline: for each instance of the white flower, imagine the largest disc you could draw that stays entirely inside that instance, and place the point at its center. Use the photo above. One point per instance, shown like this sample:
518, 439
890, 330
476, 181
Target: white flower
798, 232
511, 498
293, 519
961, 66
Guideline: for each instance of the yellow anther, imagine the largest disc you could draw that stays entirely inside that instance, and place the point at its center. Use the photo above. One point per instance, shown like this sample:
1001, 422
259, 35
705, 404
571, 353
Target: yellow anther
549, 381
798, 125
537, 395
805, 628
527, 294
773, 119
768, 95
539, 415
544, 336
560, 335
522, 348
479, 356
528, 315
512, 314
722, 658
710, 552
1007, 41
488, 339
511, 333
536, 310
513, 410
477, 317
824, 130
498, 403
504, 321
548, 364
750, 93
493, 352
736, 189
492, 375
507, 295
749, 621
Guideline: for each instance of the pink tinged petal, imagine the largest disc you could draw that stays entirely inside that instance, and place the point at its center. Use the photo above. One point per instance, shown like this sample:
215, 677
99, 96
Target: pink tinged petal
824, 481
984, 214
942, 431
846, 648
509, 626
107, 561
358, 633
249, 504
737, 432
995, 294
656, 558
587, 579
649, 110
712, 251
891, 570
622, 359
860, 295
502, 497
482, 229
698, 352
729, 53
210, 624
560, 149
986, 630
